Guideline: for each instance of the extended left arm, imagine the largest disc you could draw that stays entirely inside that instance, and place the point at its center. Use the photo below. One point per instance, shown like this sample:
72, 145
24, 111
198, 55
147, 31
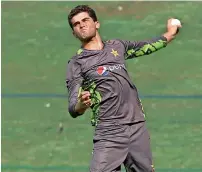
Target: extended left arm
140, 48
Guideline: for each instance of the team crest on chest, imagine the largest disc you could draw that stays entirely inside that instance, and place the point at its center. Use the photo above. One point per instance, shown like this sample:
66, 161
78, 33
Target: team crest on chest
115, 53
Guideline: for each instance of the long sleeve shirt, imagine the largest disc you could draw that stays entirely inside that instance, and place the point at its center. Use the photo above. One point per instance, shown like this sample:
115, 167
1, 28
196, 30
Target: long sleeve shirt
104, 74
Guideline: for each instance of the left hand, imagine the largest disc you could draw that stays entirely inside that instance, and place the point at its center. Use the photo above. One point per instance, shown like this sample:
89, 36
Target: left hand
172, 29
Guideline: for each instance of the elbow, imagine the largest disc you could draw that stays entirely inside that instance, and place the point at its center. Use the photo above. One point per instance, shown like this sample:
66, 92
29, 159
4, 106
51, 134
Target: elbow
72, 112
73, 115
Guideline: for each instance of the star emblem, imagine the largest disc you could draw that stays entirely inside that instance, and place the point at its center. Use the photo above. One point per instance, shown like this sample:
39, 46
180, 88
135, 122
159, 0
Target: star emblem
115, 53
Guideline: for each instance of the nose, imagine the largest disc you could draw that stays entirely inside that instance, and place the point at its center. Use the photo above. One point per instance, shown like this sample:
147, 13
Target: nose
82, 24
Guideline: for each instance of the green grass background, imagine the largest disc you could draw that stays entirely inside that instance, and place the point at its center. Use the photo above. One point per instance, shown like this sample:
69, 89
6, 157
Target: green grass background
36, 45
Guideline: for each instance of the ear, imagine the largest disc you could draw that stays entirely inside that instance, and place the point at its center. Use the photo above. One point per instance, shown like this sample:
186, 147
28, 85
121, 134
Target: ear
97, 25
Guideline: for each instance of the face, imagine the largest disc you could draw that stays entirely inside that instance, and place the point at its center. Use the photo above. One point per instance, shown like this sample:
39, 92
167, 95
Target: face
84, 28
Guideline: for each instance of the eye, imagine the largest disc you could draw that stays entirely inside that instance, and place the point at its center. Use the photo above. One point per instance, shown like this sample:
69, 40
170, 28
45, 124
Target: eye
85, 19
75, 24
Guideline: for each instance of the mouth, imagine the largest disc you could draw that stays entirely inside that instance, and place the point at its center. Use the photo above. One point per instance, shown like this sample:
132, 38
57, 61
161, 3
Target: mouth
84, 30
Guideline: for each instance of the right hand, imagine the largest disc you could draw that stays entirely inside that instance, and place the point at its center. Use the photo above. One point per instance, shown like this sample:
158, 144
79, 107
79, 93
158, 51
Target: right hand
84, 102
84, 99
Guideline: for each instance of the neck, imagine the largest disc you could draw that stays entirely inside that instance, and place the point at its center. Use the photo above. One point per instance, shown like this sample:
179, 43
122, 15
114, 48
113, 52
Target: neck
94, 44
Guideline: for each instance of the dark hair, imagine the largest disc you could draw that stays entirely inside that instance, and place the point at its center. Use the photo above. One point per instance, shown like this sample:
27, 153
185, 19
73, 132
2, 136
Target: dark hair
79, 9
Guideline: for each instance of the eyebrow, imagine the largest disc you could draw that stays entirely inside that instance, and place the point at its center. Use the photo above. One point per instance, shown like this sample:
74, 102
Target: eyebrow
81, 20
86, 18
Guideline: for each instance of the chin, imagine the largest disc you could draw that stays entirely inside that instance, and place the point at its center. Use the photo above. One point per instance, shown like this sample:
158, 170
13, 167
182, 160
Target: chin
86, 39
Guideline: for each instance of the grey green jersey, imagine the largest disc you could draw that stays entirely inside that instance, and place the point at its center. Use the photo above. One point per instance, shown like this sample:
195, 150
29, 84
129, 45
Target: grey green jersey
103, 72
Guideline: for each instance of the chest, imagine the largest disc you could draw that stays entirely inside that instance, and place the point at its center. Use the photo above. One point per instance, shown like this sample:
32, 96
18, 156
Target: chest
101, 63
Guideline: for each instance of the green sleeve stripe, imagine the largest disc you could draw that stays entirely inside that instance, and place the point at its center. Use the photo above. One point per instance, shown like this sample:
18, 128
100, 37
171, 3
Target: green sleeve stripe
146, 49
159, 44
154, 47
130, 52
89, 85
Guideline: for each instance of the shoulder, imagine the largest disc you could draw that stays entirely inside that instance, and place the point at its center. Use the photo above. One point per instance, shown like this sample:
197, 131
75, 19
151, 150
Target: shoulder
71, 61
117, 42
75, 57
72, 67
113, 41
